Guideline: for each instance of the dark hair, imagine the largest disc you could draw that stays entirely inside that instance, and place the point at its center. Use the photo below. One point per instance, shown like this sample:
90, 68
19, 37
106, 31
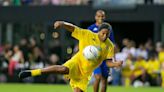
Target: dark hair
105, 26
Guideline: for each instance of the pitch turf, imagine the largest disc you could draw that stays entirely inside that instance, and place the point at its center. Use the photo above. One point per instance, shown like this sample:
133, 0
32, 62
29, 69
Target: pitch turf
66, 88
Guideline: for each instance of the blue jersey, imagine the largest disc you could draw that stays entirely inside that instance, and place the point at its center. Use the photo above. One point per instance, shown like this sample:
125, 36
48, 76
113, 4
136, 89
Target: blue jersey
94, 28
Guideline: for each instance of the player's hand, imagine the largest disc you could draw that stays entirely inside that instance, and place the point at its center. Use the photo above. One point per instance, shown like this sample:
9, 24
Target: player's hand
58, 24
24, 74
119, 64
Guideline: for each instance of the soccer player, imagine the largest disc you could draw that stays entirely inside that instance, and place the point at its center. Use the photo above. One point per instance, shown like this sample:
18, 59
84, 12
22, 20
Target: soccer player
78, 69
101, 73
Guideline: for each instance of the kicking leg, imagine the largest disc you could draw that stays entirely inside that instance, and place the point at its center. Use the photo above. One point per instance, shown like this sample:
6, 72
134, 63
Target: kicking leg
51, 69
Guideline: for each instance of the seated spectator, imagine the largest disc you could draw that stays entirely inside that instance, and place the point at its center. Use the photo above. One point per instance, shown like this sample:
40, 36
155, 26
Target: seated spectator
161, 59
139, 71
153, 67
127, 70
15, 60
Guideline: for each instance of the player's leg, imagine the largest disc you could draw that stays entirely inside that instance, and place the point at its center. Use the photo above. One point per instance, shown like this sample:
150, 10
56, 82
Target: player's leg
97, 75
77, 90
51, 69
103, 84
105, 73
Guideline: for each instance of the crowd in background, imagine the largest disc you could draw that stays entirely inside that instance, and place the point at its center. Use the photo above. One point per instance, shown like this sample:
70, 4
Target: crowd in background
142, 63
75, 2
26, 55
43, 2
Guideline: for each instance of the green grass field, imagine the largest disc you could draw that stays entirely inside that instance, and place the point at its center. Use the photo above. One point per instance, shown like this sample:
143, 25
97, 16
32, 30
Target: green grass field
66, 88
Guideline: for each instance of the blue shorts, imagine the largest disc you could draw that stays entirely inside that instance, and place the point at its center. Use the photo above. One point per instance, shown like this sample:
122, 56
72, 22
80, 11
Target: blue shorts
103, 70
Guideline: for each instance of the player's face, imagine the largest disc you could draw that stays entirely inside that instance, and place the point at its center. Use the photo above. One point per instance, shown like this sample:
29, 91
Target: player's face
100, 16
103, 34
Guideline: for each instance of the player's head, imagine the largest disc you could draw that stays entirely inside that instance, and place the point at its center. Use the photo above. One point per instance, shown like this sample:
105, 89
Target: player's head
100, 16
104, 31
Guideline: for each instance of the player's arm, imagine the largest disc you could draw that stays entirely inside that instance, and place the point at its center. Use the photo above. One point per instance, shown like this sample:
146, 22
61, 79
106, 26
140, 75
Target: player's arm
112, 64
110, 61
61, 24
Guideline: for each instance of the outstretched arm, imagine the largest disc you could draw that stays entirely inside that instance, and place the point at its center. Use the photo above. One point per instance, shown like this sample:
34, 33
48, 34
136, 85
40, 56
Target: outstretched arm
61, 24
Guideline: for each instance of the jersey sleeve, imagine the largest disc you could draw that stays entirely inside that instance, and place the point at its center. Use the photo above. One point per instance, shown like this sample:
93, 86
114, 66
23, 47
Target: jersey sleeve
80, 33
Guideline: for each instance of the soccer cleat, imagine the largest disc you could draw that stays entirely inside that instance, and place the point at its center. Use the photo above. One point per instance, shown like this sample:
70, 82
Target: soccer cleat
25, 74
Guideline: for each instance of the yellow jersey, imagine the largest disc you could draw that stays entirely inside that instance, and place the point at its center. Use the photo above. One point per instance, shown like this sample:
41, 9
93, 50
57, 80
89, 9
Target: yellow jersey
86, 38
138, 65
153, 65
161, 56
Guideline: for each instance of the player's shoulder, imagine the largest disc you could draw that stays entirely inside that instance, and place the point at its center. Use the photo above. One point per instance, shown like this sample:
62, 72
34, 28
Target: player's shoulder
86, 31
92, 26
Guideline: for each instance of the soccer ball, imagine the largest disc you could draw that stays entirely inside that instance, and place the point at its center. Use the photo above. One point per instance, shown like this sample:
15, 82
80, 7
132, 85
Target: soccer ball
91, 53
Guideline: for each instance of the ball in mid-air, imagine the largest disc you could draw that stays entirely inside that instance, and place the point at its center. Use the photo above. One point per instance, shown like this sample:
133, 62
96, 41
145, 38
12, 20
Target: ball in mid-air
91, 53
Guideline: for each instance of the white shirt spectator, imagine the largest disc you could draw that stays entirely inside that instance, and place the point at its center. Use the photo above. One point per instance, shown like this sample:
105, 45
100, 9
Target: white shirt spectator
131, 50
142, 53
121, 57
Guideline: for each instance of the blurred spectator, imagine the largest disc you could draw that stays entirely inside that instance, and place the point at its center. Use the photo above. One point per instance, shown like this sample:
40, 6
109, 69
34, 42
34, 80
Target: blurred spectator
24, 48
3, 67
55, 47
37, 58
127, 70
53, 78
6, 2
158, 47
139, 71
141, 51
161, 59
150, 47
153, 66
53, 59
129, 47
15, 60
32, 43
56, 2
